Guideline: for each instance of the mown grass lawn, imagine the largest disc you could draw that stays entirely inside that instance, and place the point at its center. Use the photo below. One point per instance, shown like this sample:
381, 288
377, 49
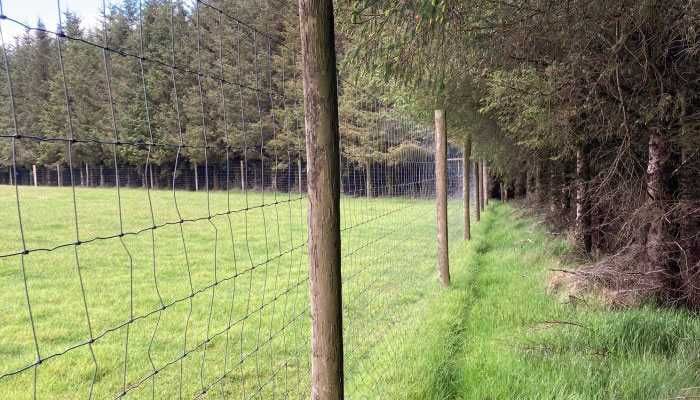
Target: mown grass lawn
212, 307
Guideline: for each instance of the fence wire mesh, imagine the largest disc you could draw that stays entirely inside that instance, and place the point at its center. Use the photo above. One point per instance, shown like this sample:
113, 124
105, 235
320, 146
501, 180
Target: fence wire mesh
154, 210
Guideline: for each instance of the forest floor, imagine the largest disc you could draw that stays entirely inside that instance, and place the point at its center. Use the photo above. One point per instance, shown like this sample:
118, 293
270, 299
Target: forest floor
498, 334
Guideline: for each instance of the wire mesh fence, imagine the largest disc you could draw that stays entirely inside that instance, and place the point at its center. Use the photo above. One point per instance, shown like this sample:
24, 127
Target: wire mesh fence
154, 210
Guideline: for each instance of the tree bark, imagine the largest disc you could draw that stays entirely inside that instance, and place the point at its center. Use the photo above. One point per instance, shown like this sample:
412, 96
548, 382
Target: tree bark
467, 152
658, 191
441, 197
34, 175
583, 215
323, 176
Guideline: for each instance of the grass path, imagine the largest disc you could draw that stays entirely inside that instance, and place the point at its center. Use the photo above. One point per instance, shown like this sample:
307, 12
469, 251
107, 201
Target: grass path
497, 334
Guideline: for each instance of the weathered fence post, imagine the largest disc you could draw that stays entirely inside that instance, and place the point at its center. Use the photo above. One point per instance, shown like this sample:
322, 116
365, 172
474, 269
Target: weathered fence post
485, 174
243, 173
466, 154
196, 178
34, 175
301, 190
477, 187
441, 196
323, 177
482, 195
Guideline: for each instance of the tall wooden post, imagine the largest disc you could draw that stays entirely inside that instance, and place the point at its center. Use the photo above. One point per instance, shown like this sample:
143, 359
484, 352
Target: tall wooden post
300, 173
465, 184
243, 174
323, 177
481, 185
441, 196
477, 187
485, 174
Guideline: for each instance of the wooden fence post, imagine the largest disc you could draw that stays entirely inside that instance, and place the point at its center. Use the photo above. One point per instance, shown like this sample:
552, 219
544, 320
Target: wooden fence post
323, 177
477, 187
485, 173
196, 178
243, 173
299, 172
441, 196
466, 154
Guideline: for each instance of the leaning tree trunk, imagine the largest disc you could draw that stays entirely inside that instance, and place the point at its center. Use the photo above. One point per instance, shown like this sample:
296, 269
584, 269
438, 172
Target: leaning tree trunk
465, 184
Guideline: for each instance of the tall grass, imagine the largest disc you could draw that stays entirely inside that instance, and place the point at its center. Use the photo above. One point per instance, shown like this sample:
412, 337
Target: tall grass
497, 334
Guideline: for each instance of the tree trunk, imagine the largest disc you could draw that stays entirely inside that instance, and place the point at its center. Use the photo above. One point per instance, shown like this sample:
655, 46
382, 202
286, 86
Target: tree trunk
322, 149
441, 197
59, 178
102, 176
34, 175
467, 152
87, 175
657, 182
583, 215
477, 191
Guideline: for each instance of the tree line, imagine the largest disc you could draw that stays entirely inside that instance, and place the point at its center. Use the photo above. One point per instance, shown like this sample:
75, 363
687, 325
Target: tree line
172, 91
588, 109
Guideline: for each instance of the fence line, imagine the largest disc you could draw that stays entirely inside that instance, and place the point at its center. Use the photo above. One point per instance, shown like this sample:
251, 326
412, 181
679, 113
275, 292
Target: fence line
186, 275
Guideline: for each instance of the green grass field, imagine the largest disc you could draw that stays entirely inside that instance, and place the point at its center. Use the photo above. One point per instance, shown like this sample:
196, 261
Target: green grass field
214, 304
497, 334
491, 335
